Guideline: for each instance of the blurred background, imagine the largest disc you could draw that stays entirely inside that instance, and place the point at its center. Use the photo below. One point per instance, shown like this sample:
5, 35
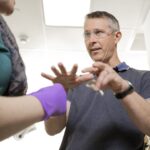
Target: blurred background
51, 31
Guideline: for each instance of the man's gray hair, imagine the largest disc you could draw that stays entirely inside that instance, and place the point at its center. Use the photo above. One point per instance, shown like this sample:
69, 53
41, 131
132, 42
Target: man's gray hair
114, 24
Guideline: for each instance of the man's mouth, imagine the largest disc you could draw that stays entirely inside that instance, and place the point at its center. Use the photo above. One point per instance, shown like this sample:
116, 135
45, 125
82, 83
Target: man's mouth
95, 50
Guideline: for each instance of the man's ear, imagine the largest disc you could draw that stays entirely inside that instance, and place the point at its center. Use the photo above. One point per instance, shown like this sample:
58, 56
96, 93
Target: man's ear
118, 36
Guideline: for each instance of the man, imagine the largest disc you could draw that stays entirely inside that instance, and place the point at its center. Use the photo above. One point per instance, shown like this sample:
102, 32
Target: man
97, 119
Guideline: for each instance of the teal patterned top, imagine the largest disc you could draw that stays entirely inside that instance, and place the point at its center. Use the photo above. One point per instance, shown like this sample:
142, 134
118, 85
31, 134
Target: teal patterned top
5, 68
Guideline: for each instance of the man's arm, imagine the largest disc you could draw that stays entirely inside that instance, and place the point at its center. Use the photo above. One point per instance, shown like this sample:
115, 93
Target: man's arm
56, 124
137, 107
139, 110
69, 80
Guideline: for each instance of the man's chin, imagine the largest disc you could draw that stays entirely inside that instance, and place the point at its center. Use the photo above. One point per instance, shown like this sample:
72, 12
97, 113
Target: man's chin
97, 59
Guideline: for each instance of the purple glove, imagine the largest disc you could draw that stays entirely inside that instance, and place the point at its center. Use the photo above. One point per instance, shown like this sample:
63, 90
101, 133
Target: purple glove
53, 100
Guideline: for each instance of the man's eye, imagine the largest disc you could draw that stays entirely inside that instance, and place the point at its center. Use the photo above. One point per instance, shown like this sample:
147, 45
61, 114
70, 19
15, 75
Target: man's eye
87, 34
98, 32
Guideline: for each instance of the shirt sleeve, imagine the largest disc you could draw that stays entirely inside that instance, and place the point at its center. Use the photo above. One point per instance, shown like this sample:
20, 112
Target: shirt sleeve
145, 85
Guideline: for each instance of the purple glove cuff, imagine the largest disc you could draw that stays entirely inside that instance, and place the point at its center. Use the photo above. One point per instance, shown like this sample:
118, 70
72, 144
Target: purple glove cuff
53, 100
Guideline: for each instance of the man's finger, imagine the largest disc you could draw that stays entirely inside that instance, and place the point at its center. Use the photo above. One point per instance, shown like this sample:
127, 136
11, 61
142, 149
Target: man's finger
56, 71
62, 68
49, 77
74, 69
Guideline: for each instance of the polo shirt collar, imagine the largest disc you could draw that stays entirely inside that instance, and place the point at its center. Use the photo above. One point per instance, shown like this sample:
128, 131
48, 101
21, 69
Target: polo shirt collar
121, 67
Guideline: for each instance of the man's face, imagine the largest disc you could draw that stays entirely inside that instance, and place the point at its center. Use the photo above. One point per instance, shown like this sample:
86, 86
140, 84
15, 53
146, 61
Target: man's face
99, 39
7, 6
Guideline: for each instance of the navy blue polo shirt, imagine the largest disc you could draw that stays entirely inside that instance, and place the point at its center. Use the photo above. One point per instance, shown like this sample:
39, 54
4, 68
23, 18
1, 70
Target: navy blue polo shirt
100, 122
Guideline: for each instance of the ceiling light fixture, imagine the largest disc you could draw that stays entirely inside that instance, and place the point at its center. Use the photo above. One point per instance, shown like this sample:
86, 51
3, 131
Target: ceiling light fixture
65, 12
23, 38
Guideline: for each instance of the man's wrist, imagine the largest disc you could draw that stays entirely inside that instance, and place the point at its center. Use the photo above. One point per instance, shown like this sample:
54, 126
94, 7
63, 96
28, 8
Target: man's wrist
123, 94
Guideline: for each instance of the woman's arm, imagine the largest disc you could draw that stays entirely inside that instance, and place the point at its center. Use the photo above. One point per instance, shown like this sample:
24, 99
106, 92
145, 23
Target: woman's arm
18, 113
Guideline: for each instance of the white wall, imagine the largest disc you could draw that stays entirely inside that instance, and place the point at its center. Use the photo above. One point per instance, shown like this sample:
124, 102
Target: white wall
147, 34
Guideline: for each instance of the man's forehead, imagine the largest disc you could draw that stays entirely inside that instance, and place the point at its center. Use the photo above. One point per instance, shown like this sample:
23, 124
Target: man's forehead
95, 24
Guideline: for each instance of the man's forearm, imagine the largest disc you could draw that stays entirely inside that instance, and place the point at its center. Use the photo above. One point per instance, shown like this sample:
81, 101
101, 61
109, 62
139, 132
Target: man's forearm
139, 110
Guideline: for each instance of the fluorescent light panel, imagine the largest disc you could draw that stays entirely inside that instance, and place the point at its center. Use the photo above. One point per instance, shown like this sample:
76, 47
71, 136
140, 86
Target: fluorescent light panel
65, 12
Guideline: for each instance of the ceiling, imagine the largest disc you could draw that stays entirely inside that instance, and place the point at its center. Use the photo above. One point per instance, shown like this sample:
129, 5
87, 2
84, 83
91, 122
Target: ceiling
27, 23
